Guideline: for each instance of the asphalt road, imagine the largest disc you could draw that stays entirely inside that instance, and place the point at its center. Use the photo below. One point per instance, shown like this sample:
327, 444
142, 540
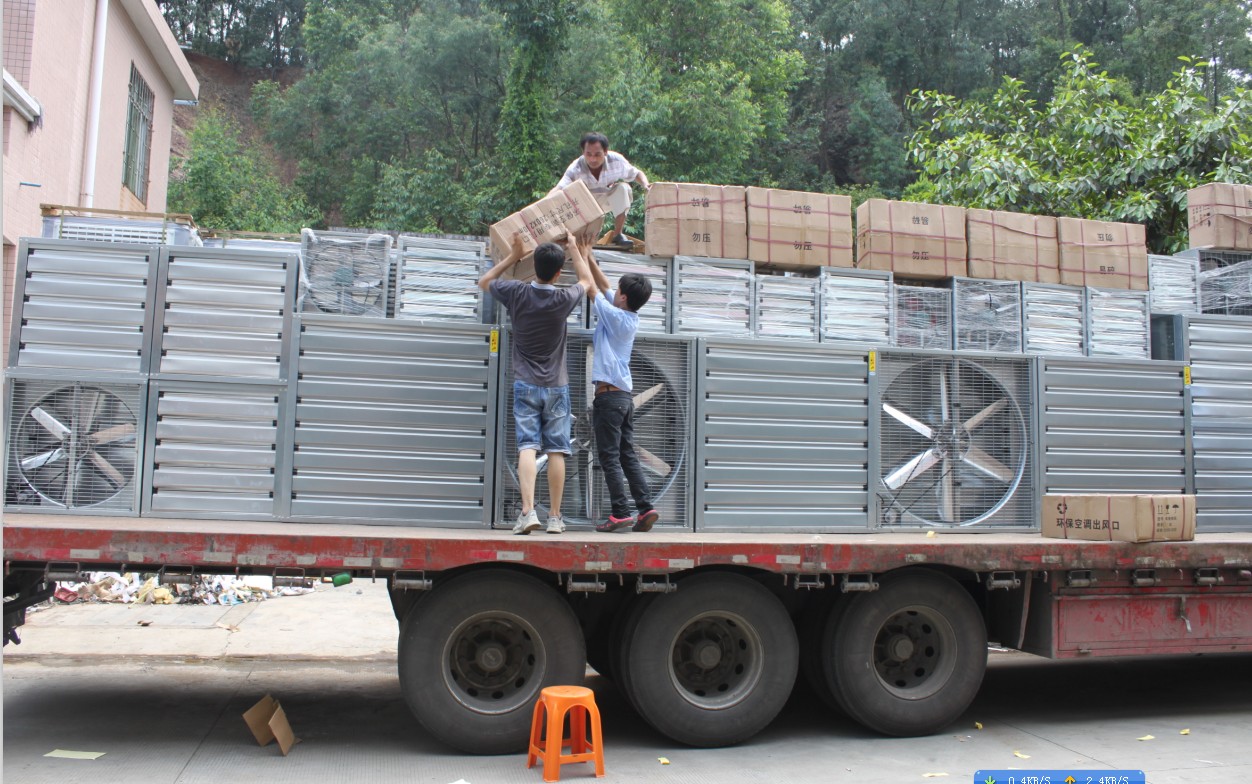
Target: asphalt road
164, 704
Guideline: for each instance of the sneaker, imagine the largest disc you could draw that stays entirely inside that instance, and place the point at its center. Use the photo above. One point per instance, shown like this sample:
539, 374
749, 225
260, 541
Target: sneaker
622, 241
527, 522
646, 521
556, 525
614, 524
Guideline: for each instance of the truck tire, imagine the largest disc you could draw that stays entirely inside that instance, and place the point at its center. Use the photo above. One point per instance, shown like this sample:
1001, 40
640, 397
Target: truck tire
908, 658
475, 653
623, 628
822, 610
713, 663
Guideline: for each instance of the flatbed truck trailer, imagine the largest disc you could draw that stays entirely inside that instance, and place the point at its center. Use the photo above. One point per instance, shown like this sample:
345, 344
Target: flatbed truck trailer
705, 633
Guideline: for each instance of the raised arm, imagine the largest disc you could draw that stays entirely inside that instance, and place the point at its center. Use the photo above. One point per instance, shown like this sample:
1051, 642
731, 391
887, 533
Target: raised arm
581, 268
515, 254
602, 280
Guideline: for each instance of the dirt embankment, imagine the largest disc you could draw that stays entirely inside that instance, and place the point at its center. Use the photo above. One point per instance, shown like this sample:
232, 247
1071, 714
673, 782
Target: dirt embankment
227, 88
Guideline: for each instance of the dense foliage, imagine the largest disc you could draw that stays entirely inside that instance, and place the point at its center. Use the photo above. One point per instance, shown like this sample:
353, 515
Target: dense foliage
225, 185
446, 114
1094, 150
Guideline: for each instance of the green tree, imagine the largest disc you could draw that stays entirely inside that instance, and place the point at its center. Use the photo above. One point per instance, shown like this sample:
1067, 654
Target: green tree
1092, 151
226, 185
538, 29
253, 33
384, 90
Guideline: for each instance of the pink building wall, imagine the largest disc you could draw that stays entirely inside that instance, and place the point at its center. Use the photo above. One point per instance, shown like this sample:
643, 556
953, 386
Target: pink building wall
50, 152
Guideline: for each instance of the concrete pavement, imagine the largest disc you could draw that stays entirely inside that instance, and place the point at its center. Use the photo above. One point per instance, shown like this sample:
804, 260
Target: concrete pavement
163, 701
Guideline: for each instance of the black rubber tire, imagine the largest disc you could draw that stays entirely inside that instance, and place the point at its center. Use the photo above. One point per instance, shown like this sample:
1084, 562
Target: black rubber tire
821, 611
522, 636
622, 630
928, 619
750, 657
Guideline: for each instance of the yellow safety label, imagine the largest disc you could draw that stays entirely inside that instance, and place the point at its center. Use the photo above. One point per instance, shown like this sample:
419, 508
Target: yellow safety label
873, 361
1186, 375
495, 341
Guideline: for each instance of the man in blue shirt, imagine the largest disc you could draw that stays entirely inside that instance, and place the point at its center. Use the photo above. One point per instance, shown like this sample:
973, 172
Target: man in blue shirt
612, 413
541, 409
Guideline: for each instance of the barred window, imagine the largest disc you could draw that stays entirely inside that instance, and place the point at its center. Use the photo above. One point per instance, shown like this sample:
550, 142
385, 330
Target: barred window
138, 136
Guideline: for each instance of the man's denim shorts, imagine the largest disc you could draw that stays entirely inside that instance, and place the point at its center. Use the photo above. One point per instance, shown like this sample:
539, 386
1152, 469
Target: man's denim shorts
542, 417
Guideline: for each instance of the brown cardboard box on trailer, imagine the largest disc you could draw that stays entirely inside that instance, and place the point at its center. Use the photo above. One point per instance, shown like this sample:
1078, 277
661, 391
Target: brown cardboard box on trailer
1119, 518
1012, 246
1220, 216
1101, 253
552, 217
690, 219
793, 230
911, 239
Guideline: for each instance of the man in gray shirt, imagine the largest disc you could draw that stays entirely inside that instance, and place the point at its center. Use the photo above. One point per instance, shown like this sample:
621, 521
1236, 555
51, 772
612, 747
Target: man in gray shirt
541, 407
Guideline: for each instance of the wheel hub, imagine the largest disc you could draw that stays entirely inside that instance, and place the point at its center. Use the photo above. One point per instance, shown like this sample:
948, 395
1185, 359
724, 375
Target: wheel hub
716, 660
708, 654
491, 661
491, 657
899, 648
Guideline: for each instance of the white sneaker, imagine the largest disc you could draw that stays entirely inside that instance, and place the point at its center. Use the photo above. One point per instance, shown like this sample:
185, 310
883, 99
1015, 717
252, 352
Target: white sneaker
527, 522
556, 525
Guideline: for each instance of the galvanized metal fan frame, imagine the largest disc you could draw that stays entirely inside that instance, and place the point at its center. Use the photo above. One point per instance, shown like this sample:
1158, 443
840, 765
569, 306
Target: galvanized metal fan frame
947, 438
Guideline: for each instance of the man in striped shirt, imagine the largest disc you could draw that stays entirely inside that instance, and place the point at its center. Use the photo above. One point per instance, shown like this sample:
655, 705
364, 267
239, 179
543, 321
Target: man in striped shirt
606, 174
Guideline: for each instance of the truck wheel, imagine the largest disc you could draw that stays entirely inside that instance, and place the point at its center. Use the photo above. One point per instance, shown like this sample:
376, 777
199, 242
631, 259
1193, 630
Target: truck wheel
619, 646
713, 663
475, 652
822, 610
907, 659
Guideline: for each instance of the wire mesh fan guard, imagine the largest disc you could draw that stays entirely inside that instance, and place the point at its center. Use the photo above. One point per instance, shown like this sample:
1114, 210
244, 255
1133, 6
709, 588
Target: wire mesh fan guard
660, 372
73, 445
954, 442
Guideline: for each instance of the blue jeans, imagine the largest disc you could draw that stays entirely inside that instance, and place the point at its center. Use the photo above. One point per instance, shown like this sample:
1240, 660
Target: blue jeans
612, 418
542, 417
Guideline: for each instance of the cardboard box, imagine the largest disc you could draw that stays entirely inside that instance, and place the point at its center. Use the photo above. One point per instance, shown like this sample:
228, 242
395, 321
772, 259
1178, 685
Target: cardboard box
1101, 253
524, 269
690, 219
1119, 518
1220, 216
552, 217
911, 239
268, 722
1012, 246
794, 230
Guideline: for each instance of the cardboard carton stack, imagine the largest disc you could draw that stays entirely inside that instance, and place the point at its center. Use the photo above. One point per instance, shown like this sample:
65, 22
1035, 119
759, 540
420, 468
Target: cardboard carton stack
1012, 246
912, 240
793, 230
1220, 216
1101, 253
691, 219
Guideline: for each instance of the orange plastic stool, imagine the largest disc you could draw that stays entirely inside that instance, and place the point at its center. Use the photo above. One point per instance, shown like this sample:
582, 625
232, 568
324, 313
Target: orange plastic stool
556, 702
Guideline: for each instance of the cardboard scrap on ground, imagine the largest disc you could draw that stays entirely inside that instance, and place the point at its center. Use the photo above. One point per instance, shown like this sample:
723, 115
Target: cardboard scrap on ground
82, 755
268, 722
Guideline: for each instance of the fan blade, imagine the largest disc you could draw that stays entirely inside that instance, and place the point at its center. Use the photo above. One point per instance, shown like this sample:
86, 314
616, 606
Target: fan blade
90, 404
978, 458
111, 434
947, 494
40, 460
107, 468
985, 414
652, 462
943, 394
915, 467
908, 421
541, 463
643, 397
50, 423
